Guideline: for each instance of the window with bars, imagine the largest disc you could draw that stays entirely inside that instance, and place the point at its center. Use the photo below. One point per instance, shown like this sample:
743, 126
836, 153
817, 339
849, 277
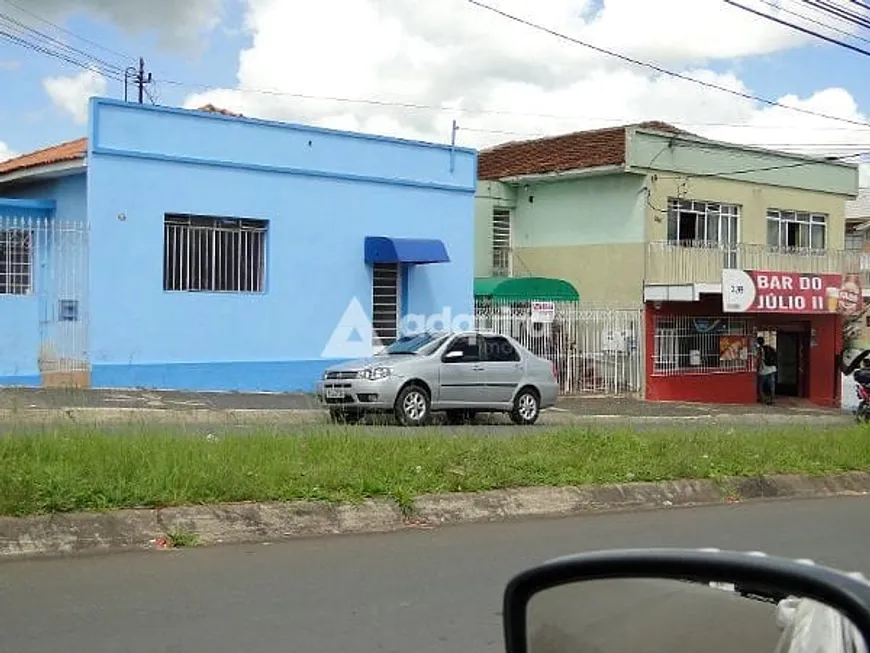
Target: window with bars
385, 303
214, 254
795, 230
501, 241
16, 261
702, 345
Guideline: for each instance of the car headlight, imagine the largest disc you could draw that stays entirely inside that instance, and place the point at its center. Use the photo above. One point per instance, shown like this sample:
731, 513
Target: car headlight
375, 373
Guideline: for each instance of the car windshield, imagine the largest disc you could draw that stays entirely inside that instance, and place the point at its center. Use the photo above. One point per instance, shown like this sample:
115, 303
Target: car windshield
418, 343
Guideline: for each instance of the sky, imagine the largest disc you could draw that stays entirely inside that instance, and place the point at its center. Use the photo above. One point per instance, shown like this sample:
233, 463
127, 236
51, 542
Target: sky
411, 68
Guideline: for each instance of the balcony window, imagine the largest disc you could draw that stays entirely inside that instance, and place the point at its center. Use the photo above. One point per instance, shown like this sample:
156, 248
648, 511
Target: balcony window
693, 223
791, 231
702, 345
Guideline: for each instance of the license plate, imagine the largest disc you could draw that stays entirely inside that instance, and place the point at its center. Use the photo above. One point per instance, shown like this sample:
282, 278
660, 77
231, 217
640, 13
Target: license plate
332, 393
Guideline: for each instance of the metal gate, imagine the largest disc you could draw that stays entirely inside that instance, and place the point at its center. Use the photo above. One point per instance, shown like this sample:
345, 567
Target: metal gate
63, 328
46, 259
595, 350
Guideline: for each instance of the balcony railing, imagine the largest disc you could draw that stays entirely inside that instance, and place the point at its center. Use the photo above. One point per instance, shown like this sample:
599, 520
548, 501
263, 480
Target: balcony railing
700, 262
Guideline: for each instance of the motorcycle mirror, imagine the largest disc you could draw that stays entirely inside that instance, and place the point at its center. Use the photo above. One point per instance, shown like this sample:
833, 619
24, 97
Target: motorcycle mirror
686, 601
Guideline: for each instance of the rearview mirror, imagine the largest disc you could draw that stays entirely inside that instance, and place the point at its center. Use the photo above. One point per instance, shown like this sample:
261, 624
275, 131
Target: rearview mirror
685, 601
453, 355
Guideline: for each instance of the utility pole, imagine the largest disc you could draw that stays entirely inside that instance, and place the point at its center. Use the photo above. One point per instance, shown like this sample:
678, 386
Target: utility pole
138, 75
140, 79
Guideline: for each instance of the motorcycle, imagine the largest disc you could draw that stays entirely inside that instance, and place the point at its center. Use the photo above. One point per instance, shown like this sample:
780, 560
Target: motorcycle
686, 600
862, 412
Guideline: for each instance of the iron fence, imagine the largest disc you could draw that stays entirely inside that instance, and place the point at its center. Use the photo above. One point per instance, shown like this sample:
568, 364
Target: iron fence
595, 350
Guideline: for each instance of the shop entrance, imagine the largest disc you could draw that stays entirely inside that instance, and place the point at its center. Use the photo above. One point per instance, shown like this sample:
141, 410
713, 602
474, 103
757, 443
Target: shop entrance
792, 344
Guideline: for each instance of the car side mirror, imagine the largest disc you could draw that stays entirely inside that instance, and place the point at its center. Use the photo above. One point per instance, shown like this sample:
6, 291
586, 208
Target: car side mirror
687, 600
454, 355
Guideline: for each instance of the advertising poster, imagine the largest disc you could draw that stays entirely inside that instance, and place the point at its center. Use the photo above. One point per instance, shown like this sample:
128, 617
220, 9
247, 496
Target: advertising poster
756, 291
856, 341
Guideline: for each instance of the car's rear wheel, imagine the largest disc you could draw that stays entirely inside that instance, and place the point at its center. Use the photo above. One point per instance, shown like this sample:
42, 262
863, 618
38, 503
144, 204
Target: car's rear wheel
460, 417
527, 407
412, 406
344, 416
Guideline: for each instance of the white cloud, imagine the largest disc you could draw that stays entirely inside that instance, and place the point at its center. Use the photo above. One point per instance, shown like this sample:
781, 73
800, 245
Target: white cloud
178, 26
504, 80
6, 152
71, 94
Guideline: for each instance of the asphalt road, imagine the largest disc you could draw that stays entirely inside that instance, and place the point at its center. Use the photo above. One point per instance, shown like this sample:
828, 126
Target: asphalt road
46, 398
422, 591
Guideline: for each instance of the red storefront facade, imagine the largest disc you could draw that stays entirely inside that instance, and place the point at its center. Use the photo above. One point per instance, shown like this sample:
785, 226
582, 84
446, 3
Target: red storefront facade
697, 351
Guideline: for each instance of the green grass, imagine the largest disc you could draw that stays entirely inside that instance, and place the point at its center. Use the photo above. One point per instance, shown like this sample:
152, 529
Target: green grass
88, 469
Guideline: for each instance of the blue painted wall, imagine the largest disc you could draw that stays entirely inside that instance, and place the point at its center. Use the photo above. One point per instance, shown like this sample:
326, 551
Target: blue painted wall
24, 317
322, 192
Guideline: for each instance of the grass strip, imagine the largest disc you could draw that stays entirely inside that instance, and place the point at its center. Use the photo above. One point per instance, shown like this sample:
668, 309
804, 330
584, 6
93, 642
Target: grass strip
98, 469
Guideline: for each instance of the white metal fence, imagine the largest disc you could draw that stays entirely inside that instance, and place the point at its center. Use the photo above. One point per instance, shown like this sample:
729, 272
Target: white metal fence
47, 259
595, 350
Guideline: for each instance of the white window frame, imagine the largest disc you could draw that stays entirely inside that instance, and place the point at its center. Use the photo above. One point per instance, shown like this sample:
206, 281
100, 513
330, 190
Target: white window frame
502, 241
779, 219
724, 218
16, 261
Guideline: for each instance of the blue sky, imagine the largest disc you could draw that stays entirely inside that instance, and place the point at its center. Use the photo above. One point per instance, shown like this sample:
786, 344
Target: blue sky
29, 120
314, 58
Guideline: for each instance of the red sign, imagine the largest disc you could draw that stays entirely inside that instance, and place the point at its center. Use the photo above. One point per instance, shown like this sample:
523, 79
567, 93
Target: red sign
755, 291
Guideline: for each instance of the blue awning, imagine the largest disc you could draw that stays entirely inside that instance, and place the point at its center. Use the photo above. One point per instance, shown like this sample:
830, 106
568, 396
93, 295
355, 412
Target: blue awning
380, 249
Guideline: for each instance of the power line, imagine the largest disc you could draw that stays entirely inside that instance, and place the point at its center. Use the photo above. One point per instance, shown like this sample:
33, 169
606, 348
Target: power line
661, 70
53, 53
53, 42
798, 28
123, 56
814, 21
840, 12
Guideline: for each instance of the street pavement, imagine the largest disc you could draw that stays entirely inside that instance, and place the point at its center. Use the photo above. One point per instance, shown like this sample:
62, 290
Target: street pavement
212, 412
421, 591
48, 398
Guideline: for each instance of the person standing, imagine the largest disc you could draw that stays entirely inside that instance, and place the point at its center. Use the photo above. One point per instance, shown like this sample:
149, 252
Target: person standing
766, 367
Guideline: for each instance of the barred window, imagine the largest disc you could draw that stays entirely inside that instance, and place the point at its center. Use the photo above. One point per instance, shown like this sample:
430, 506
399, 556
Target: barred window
702, 345
214, 254
16, 261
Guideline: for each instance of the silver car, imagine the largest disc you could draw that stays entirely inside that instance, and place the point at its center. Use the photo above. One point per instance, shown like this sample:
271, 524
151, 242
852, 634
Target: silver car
461, 373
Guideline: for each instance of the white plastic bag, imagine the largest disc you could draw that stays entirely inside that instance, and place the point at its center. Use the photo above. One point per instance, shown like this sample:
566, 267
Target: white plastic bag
812, 627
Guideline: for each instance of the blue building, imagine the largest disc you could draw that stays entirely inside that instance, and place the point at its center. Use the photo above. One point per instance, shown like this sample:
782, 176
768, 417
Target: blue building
195, 249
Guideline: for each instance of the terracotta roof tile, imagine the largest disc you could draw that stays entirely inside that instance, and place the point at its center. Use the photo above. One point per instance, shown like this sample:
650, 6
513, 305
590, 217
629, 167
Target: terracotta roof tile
210, 108
575, 151
69, 151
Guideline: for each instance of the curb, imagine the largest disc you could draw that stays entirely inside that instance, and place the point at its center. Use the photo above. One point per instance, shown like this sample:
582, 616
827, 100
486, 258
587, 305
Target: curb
238, 523
301, 416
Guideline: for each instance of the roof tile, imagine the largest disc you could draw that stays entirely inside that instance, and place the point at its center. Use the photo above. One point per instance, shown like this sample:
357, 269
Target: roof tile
68, 151
575, 151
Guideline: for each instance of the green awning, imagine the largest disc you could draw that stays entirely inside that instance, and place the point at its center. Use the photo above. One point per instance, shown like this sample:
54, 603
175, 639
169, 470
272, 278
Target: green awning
525, 289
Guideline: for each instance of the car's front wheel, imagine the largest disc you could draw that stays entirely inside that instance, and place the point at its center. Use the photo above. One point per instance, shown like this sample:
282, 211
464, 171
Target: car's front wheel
412, 406
527, 407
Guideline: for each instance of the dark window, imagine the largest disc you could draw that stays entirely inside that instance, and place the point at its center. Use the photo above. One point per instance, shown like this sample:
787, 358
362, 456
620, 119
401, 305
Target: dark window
499, 350
214, 254
470, 348
16, 261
